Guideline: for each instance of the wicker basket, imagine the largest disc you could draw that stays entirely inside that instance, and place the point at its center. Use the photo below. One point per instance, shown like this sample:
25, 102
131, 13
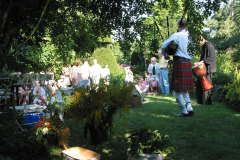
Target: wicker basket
78, 153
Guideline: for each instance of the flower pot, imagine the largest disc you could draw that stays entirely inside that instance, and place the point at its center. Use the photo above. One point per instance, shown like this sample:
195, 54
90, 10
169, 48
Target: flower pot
78, 153
147, 157
51, 139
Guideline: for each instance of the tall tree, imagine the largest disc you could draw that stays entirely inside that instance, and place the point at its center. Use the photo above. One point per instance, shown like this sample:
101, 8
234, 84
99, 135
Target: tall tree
72, 24
76, 25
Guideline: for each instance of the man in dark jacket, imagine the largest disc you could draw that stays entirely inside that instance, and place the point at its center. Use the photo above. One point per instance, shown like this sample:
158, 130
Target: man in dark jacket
208, 57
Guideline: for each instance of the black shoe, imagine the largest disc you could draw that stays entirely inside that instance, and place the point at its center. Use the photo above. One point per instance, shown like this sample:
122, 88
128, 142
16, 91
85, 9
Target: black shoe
191, 113
182, 115
196, 102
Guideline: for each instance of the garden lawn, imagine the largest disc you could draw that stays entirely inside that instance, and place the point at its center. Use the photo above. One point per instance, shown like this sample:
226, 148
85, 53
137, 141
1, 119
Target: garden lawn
213, 133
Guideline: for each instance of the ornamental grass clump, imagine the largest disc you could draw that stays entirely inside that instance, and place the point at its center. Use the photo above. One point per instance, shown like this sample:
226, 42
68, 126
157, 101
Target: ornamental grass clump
97, 107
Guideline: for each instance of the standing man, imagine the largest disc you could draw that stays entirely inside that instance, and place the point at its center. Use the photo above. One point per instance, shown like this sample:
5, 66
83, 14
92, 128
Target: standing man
96, 72
74, 75
208, 57
85, 70
164, 84
106, 74
181, 80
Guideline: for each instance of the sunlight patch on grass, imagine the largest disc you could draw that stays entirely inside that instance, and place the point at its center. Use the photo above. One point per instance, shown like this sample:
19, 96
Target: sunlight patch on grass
161, 115
212, 133
237, 115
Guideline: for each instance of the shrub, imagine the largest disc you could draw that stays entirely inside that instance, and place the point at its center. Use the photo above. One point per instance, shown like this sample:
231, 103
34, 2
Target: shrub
138, 71
17, 144
217, 94
145, 141
137, 58
103, 56
222, 78
232, 92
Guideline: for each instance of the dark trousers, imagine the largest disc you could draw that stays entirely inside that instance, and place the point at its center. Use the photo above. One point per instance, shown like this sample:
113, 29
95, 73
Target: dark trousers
199, 90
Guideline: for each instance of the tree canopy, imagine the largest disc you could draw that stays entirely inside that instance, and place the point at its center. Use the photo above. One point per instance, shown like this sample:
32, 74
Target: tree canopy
76, 25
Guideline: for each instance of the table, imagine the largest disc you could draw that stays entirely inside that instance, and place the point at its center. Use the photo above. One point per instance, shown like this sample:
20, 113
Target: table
32, 113
33, 107
68, 90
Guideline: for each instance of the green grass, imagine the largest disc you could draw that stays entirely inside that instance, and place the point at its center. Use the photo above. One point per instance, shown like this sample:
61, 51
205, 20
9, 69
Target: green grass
213, 133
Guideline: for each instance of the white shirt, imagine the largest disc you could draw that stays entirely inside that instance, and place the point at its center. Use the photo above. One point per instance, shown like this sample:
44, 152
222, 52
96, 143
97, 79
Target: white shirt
181, 38
105, 73
96, 70
85, 69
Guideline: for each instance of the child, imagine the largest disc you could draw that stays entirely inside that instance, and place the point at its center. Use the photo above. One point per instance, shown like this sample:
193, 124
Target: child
142, 87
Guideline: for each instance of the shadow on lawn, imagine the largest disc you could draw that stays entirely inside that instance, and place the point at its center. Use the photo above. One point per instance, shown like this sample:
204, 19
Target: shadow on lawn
115, 149
207, 135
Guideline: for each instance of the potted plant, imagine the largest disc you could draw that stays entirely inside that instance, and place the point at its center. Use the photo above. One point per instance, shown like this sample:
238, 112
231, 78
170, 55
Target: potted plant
149, 145
97, 107
53, 130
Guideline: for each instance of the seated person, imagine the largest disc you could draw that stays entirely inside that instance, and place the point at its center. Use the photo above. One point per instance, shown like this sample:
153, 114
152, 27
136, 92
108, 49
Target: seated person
129, 75
153, 84
62, 83
142, 87
51, 88
21, 95
39, 92
154, 71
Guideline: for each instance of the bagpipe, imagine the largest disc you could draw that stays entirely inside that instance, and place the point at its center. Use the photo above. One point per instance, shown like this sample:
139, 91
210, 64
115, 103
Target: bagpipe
171, 48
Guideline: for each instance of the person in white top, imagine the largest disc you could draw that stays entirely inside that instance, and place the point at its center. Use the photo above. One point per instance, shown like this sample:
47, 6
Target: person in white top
39, 92
96, 72
61, 82
85, 70
129, 75
105, 74
163, 77
181, 80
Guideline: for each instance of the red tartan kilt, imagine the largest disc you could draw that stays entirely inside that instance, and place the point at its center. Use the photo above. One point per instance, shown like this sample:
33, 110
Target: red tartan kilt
182, 76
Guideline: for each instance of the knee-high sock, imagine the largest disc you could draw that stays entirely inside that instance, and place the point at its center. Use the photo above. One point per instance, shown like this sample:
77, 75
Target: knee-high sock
187, 100
179, 97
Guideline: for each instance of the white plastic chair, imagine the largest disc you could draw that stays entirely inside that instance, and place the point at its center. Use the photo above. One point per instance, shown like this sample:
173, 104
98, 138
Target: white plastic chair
84, 82
59, 97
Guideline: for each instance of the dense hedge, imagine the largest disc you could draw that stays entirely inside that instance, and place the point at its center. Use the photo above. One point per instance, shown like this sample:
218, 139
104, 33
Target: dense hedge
17, 144
217, 93
222, 78
103, 56
232, 92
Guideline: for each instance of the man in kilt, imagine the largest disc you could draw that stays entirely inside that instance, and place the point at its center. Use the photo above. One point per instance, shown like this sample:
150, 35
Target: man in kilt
181, 80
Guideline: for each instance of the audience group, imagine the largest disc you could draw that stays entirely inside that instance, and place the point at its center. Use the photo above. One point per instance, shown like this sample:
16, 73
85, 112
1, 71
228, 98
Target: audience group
71, 76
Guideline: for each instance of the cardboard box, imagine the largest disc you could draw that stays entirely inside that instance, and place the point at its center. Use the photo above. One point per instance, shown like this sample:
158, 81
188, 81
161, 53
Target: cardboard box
78, 153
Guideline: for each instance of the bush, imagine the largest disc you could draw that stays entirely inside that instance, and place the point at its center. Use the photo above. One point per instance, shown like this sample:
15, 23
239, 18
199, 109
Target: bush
232, 92
222, 78
17, 144
103, 56
138, 71
145, 141
217, 94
